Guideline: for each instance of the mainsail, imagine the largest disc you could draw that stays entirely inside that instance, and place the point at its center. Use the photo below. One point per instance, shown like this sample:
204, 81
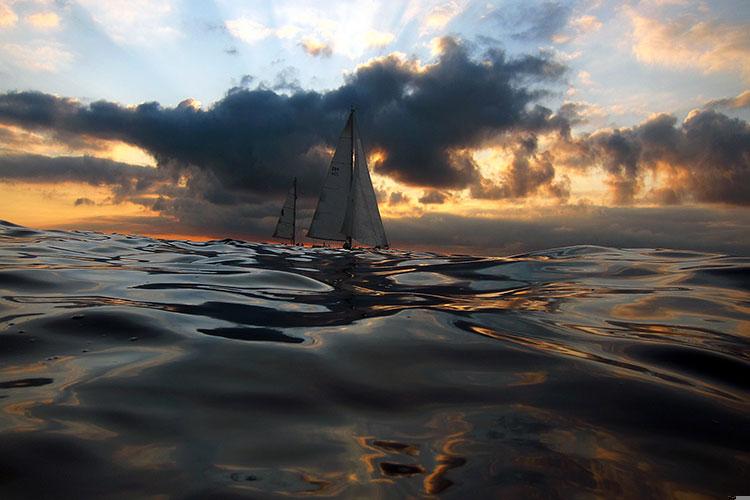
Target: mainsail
285, 227
329, 215
347, 209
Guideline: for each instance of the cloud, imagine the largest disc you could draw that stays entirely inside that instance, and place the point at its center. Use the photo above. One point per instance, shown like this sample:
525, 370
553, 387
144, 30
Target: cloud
586, 24
8, 17
83, 201
686, 43
255, 139
530, 173
740, 101
375, 38
585, 78
397, 198
39, 56
221, 163
704, 159
722, 231
438, 16
433, 198
316, 47
43, 20
344, 28
126, 180
248, 30
542, 21
134, 22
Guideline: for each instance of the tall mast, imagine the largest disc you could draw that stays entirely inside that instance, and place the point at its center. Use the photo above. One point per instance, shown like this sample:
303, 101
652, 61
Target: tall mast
294, 215
351, 177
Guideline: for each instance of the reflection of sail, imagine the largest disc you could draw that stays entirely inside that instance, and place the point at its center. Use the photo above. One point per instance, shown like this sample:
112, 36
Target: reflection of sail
347, 209
329, 215
285, 227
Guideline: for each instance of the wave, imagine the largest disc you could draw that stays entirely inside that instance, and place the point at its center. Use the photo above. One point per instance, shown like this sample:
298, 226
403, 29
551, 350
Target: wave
144, 367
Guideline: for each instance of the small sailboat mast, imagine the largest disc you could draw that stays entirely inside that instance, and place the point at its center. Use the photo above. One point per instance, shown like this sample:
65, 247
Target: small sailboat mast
294, 214
286, 227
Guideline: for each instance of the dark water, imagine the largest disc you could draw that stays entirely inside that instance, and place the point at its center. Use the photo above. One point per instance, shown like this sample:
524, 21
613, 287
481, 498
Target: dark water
132, 367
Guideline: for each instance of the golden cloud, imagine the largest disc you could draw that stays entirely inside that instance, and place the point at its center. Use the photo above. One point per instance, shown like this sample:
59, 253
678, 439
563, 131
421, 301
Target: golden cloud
8, 18
708, 46
44, 20
41, 57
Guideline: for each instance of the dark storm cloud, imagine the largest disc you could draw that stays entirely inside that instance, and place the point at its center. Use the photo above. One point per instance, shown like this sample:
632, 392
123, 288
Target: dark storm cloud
433, 198
706, 158
421, 118
83, 201
126, 180
256, 140
397, 197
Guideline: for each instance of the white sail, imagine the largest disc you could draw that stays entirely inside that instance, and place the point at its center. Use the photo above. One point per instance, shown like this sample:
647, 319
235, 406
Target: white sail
347, 208
329, 215
286, 223
362, 221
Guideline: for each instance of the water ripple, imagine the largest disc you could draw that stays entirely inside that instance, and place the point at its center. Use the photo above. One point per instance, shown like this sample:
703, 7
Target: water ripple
138, 367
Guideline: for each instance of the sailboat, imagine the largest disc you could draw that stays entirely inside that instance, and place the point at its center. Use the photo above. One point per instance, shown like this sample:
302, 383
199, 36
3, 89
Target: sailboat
286, 227
347, 208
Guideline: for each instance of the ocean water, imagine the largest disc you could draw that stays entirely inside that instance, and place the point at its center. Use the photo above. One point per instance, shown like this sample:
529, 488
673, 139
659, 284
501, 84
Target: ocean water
132, 367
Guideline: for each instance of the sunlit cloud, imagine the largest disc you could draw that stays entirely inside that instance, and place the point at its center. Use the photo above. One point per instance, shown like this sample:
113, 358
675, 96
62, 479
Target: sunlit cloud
438, 16
576, 28
134, 22
16, 141
687, 43
8, 17
433, 198
738, 102
44, 20
38, 56
53, 204
586, 24
585, 78
375, 38
316, 47
347, 29
248, 30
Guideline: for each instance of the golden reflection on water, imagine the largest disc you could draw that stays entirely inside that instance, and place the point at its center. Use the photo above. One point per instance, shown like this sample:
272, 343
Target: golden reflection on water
67, 372
281, 481
529, 378
431, 456
620, 367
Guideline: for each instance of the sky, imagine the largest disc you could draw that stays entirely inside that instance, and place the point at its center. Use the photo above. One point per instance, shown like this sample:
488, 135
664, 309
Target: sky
492, 127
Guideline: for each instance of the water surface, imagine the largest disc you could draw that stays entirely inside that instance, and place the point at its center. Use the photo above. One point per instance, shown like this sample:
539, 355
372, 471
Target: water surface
134, 367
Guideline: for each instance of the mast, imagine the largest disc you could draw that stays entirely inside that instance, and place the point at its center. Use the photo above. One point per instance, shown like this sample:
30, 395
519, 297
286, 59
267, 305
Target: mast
294, 215
287, 224
348, 244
